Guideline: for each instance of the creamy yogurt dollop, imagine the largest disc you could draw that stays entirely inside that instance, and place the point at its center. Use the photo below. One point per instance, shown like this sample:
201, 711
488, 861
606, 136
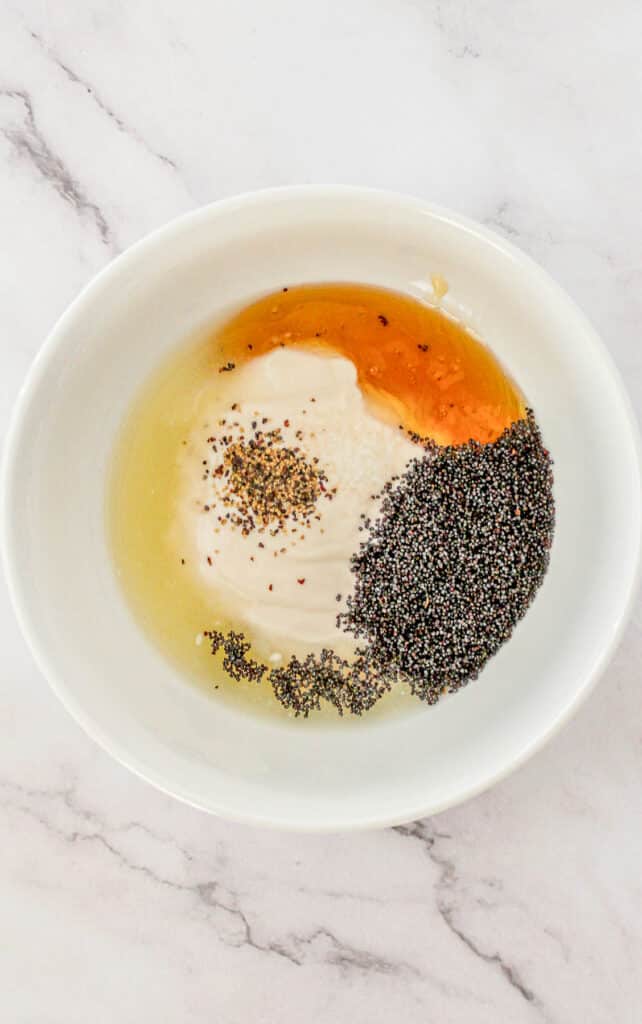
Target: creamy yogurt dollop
317, 405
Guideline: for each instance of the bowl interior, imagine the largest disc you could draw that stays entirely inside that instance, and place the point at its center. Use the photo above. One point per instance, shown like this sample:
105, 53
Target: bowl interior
297, 773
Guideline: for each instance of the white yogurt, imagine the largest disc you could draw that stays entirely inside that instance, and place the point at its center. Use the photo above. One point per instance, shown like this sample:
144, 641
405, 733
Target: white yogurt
358, 452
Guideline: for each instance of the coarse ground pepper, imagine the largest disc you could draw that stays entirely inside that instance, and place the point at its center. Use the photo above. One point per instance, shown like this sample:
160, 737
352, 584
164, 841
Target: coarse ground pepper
264, 482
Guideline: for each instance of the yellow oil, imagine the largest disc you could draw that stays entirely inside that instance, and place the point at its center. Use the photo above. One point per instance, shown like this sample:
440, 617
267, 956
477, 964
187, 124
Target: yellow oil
163, 593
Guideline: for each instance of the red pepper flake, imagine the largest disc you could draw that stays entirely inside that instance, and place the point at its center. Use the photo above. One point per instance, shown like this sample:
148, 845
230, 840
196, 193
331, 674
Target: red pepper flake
209, 560
286, 423
301, 580
383, 320
285, 289
270, 587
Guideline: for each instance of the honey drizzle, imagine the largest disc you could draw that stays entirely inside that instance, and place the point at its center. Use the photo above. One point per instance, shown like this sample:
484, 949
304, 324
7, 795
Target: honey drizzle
422, 369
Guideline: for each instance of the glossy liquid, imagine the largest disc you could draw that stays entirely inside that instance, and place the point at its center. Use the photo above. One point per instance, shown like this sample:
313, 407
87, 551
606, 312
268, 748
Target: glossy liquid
454, 391
418, 366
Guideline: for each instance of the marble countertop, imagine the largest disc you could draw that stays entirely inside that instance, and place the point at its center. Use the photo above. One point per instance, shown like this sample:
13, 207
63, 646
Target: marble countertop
119, 904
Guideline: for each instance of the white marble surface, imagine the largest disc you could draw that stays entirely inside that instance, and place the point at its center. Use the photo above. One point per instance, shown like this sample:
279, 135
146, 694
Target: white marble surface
118, 904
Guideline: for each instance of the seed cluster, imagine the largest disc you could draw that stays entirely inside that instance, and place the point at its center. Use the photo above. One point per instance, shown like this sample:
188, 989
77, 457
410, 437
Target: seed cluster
302, 684
263, 482
454, 560
268, 482
235, 660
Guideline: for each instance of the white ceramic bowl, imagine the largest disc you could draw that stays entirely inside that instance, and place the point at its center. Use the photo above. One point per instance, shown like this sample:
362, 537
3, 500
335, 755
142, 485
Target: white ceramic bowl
299, 774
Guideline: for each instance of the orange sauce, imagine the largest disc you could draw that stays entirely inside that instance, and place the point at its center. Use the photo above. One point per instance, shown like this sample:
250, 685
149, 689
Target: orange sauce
421, 368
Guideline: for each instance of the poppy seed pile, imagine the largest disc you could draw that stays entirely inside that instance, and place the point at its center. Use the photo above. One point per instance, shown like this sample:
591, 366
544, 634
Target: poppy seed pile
448, 568
454, 560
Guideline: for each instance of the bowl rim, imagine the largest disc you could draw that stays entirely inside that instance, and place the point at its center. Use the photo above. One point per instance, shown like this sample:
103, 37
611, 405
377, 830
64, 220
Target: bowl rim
10, 469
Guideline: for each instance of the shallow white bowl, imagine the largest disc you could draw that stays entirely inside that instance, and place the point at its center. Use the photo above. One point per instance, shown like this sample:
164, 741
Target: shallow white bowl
298, 774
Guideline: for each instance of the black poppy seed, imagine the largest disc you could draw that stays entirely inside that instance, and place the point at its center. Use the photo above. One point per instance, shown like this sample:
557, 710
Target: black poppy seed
450, 566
